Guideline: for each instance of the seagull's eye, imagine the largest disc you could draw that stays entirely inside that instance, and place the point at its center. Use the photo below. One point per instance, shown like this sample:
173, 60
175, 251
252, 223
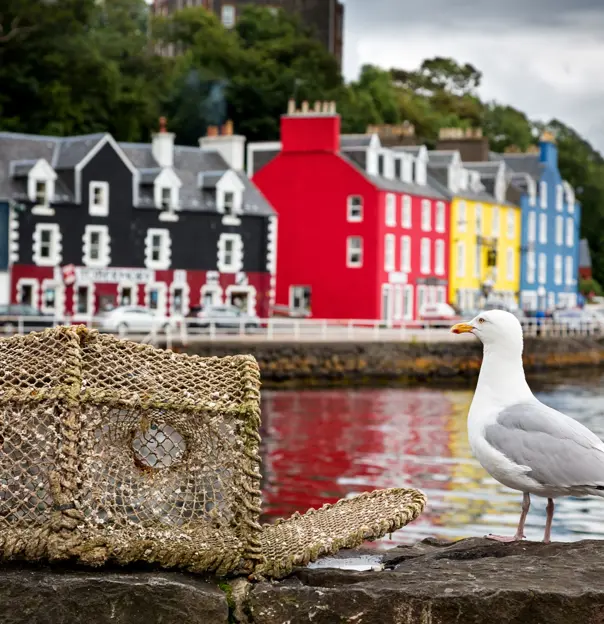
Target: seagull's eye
481, 320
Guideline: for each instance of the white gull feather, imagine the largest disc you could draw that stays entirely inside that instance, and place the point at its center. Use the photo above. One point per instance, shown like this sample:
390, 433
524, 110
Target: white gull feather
518, 440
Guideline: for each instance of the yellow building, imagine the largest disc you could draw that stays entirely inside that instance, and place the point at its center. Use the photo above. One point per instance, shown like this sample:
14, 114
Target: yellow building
485, 252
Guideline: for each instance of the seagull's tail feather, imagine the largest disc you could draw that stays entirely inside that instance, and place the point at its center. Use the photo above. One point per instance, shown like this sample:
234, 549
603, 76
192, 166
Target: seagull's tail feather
596, 490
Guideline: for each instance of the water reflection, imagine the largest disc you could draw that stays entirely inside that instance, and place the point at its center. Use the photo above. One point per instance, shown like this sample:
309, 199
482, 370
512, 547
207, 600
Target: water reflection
319, 446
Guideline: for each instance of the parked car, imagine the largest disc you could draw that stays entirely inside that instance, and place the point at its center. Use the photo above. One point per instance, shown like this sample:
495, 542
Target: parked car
439, 314
221, 316
17, 316
132, 320
575, 319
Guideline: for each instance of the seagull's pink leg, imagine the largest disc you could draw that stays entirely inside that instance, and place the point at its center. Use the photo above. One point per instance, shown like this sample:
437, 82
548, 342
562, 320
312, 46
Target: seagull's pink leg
526, 503
548, 521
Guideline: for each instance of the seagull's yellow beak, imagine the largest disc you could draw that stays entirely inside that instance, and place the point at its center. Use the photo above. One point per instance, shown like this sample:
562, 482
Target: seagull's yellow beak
462, 328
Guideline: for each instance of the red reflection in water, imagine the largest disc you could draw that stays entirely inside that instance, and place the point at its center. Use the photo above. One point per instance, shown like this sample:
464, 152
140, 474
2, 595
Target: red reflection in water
320, 446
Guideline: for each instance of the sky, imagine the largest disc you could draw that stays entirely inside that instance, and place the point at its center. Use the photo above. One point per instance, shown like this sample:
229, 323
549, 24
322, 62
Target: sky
544, 57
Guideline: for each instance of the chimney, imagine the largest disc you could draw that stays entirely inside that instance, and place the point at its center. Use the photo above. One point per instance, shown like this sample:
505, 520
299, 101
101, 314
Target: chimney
162, 145
229, 145
548, 152
316, 130
472, 145
392, 135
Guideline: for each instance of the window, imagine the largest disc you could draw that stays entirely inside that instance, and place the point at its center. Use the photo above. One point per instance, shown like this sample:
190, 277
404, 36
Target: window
477, 260
84, 300
98, 199
47, 245
228, 16
381, 164
543, 194
559, 198
230, 253
426, 215
511, 223
478, 219
425, 256
461, 259
532, 227
421, 298
389, 252
354, 252
559, 230
355, 208
570, 232
390, 209
543, 228
177, 300
229, 203
558, 270
495, 224
542, 268
510, 263
158, 249
570, 277
406, 254
406, 212
125, 297
440, 217
530, 267
439, 257
299, 298
41, 193
96, 246
398, 302
166, 197
156, 297
462, 217
398, 169
408, 302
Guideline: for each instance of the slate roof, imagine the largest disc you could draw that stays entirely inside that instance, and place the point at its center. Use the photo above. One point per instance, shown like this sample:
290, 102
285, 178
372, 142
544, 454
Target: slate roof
584, 254
521, 163
354, 140
19, 152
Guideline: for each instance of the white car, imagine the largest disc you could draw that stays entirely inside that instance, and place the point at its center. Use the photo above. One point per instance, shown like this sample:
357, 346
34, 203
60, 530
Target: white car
133, 320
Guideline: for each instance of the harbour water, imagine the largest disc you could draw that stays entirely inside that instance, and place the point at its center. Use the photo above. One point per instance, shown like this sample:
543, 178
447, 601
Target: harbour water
323, 445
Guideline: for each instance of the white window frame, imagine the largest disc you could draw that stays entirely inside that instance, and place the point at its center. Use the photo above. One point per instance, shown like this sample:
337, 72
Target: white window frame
559, 198
162, 296
89, 313
421, 298
389, 252
531, 267
56, 248
569, 269
510, 267
406, 212
478, 218
101, 209
495, 222
294, 294
559, 230
511, 223
558, 270
390, 209
440, 221
542, 268
354, 212
543, 228
59, 307
426, 215
41, 173
477, 260
405, 254
543, 194
215, 291
462, 216
408, 302
186, 293
350, 250
398, 302
35, 290
165, 250
425, 253
236, 261
439, 257
531, 232
460, 265
121, 287
228, 15
104, 258
570, 232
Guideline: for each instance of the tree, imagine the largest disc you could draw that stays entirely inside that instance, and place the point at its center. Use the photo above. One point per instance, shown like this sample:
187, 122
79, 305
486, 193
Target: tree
506, 126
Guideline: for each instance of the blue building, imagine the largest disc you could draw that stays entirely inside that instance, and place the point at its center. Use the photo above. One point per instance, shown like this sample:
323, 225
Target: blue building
549, 253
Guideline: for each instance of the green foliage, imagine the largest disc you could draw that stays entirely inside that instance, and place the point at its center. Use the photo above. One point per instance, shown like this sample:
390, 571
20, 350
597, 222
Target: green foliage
588, 287
79, 66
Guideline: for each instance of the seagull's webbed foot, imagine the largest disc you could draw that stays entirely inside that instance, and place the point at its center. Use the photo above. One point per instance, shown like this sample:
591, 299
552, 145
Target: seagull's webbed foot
505, 539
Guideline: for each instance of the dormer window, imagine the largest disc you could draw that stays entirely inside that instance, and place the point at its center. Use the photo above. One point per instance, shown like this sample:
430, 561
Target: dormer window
166, 198
166, 190
41, 193
40, 184
229, 203
98, 199
229, 198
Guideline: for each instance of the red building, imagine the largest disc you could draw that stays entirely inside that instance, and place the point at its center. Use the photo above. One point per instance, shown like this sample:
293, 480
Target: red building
362, 234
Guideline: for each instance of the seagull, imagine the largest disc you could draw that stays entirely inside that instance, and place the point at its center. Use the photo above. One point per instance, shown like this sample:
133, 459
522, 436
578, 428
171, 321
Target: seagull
518, 440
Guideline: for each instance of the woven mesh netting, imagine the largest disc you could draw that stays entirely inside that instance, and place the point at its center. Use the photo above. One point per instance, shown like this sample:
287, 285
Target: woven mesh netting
113, 451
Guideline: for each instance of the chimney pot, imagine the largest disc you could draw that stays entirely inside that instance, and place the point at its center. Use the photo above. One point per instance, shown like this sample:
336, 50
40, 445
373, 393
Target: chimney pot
305, 106
212, 131
332, 107
163, 124
291, 107
227, 128
317, 107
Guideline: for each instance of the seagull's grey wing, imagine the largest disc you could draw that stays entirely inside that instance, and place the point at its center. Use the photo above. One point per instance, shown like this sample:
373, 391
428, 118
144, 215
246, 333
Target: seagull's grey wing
557, 449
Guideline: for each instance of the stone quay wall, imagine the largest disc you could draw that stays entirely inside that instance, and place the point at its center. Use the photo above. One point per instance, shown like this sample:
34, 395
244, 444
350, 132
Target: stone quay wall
308, 364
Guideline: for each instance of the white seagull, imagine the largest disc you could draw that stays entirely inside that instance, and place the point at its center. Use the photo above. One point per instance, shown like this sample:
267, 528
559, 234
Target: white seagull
518, 440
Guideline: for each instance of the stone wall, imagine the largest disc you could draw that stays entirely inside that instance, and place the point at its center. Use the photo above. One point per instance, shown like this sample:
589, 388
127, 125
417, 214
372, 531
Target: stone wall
373, 363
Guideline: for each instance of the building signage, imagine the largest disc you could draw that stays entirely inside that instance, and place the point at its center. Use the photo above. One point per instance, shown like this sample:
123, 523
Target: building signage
86, 275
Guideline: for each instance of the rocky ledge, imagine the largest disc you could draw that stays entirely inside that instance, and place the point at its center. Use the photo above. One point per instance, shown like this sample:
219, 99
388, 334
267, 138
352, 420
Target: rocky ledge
467, 582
